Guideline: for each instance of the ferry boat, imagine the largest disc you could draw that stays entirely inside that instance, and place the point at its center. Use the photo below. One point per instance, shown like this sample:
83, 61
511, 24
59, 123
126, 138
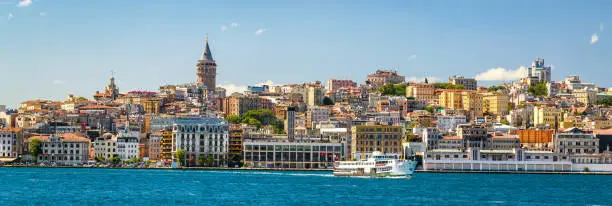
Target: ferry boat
377, 165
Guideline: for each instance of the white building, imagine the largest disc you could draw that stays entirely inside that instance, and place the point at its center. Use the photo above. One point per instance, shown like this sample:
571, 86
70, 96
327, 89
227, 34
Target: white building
63, 149
316, 114
10, 142
127, 146
448, 123
200, 138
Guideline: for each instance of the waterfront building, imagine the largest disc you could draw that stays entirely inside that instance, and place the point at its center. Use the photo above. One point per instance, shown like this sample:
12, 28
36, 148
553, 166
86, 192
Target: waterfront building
422, 91
334, 84
105, 146
369, 138
207, 69
201, 138
155, 145
429, 136
166, 145
11, 143
474, 136
127, 146
63, 149
575, 141
303, 155
235, 144
383, 77
535, 138
468, 83
547, 115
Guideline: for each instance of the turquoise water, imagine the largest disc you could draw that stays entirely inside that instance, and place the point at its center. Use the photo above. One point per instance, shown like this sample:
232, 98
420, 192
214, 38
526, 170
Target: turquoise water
39, 186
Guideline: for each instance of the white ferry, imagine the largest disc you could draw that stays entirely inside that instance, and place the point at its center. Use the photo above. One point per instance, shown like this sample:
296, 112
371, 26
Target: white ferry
377, 165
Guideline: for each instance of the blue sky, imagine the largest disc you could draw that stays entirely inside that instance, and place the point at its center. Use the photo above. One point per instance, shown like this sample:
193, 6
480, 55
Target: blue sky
52, 48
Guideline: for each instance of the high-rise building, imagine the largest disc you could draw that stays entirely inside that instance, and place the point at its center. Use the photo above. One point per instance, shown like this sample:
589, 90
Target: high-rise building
290, 123
207, 69
539, 71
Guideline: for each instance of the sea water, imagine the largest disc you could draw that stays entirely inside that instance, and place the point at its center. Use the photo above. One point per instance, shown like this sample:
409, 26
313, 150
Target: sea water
60, 186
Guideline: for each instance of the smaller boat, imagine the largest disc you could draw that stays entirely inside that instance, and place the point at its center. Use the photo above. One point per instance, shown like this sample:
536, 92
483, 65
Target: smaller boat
377, 165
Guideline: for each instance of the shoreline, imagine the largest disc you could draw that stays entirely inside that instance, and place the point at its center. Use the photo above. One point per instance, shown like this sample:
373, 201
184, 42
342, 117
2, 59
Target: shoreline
313, 170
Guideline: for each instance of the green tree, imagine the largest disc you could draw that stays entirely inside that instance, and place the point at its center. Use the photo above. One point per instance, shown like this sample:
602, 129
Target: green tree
538, 89
35, 148
180, 156
429, 109
448, 86
327, 101
392, 90
115, 160
234, 119
209, 160
605, 101
495, 88
201, 159
135, 160
148, 163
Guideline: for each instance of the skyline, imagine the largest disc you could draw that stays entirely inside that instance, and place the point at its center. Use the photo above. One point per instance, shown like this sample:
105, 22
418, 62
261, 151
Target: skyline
61, 49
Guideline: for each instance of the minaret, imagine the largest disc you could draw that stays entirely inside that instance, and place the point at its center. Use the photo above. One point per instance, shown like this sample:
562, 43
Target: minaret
207, 69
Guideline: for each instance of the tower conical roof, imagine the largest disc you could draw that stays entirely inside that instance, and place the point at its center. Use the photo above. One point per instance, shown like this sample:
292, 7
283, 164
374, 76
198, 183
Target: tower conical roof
206, 54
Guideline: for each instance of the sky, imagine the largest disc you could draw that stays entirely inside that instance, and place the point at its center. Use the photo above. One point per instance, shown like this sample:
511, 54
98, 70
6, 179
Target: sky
52, 48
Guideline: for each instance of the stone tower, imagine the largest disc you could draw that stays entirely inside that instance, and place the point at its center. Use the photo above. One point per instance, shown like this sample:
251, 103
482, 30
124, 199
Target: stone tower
207, 69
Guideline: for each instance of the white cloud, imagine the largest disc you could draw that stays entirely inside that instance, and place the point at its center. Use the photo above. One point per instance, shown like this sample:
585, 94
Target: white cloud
267, 82
601, 27
260, 31
58, 81
234, 25
223, 27
594, 38
43, 14
501, 74
231, 88
411, 57
10, 16
24, 3
430, 79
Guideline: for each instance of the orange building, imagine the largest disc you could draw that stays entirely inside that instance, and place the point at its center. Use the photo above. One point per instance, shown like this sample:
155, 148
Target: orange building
535, 138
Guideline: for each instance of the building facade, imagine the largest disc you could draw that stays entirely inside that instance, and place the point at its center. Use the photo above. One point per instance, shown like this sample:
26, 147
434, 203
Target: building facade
383, 77
11, 141
201, 138
468, 83
369, 138
265, 154
64, 149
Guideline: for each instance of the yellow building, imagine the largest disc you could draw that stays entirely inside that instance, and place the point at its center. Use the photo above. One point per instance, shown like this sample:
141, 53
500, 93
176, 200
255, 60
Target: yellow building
166, 145
462, 100
545, 115
421, 91
496, 103
585, 96
369, 138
